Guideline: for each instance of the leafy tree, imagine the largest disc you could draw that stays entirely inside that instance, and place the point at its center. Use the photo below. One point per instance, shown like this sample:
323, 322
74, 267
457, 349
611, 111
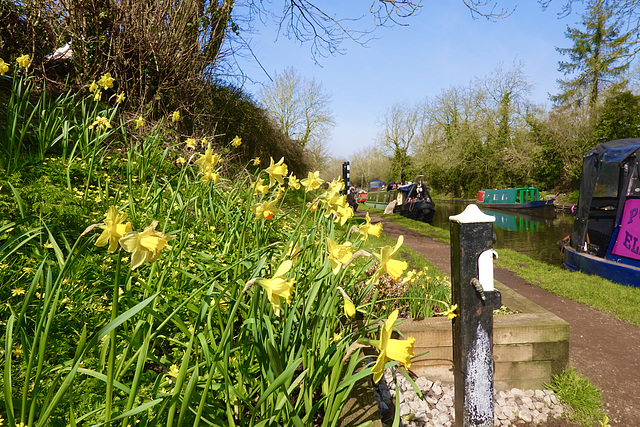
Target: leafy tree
628, 12
317, 155
596, 59
368, 164
300, 107
563, 136
619, 118
399, 127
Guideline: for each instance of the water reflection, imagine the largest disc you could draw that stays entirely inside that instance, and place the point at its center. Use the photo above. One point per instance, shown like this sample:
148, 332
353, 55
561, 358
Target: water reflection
511, 221
534, 236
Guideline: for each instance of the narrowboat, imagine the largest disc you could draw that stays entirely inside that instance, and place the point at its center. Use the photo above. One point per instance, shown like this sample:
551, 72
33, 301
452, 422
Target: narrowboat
414, 201
605, 239
526, 199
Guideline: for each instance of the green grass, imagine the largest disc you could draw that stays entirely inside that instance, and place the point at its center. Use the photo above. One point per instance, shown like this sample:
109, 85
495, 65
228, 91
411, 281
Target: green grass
621, 302
581, 395
421, 227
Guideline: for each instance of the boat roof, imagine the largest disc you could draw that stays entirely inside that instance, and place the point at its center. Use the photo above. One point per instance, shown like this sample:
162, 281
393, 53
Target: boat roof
614, 151
509, 189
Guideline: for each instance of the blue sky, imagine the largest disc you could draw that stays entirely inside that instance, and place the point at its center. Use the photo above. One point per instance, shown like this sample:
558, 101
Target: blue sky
442, 46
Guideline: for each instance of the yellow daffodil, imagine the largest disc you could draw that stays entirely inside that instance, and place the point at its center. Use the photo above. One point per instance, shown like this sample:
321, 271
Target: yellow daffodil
278, 286
4, 67
260, 188
277, 172
337, 337
97, 96
204, 142
181, 160
256, 161
337, 185
451, 312
23, 61
114, 228
392, 349
208, 160
367, 229
236, 142
93, 86
332, 201
349, 306
120, 98
175, 116
392, 266
145, 246
101, 123
294, 183
344, 213
191, 143
265, 210
106, 81
312, 181
338, 254
139, 122
210, 176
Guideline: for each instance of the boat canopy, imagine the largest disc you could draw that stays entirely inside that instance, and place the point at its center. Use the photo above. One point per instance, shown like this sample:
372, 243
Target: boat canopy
376, 184
610, 176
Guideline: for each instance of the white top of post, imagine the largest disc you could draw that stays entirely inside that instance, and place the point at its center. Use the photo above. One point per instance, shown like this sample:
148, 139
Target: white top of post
472, 214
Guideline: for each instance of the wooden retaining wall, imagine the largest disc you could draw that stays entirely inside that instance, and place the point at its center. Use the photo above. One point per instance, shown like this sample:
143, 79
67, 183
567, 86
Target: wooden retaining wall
529, 347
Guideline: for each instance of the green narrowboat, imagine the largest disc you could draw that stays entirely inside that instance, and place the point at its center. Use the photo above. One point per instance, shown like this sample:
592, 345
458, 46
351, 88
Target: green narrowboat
513, 198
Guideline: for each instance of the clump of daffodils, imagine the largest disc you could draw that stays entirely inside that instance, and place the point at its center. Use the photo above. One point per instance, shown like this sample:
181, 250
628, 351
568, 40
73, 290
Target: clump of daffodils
145, 246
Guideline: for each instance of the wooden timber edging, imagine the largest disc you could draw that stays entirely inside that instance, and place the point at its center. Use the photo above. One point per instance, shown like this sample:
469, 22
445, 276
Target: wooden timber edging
528, 347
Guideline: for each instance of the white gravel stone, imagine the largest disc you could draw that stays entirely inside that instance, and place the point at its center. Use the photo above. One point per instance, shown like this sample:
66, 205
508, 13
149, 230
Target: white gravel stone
437, 408
436, 388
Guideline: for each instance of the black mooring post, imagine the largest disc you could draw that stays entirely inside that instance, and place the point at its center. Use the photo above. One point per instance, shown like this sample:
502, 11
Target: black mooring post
346, 176
472, 290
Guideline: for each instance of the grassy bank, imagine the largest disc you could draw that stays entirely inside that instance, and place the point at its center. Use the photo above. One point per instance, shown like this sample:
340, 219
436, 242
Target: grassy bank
150, 278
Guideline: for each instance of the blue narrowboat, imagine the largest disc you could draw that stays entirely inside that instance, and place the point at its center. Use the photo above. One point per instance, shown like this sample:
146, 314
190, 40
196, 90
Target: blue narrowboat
414, 201
513, 198
605, 239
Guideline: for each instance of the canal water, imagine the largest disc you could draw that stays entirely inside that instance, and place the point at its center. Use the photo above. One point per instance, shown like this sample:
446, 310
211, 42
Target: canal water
533, 236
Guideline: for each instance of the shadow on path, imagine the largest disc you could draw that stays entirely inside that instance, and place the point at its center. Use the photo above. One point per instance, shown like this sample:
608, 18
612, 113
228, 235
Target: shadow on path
605, 350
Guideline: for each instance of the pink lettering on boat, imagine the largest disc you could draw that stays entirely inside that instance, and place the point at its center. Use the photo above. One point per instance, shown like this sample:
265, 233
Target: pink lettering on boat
627, 244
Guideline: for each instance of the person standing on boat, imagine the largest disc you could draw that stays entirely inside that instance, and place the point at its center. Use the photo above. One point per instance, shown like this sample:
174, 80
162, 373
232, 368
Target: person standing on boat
351, 199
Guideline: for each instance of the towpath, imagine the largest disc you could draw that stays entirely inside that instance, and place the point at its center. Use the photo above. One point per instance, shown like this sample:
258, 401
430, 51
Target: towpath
605, 350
